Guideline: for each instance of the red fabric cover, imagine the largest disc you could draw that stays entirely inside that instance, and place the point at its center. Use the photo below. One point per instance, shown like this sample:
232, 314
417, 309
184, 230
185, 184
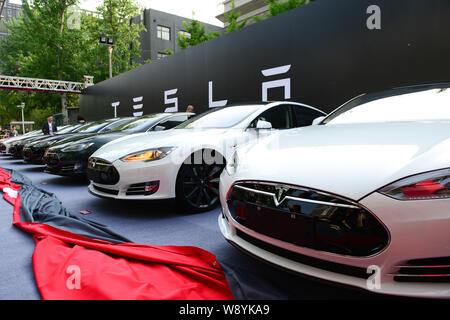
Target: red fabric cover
116, 271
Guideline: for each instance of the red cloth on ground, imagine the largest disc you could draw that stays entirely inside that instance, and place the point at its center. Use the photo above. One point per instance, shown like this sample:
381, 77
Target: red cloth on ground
70, 266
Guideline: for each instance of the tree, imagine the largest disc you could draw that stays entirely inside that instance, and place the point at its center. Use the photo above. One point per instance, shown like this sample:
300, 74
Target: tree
276, 7
197, 34
114, 21
232, 18
44, 44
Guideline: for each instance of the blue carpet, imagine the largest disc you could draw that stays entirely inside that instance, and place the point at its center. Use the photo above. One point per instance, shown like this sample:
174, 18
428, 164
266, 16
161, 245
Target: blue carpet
154, 223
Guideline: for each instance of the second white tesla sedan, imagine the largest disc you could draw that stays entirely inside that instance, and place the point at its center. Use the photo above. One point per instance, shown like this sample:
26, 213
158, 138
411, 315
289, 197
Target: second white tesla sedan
362, 199
185, 162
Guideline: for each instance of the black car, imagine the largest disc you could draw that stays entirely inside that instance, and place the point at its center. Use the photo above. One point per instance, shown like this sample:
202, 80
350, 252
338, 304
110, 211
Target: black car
70, 158
17, 146
34, 150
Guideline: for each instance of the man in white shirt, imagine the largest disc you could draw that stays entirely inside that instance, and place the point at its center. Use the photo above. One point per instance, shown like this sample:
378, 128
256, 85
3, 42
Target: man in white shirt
49, 127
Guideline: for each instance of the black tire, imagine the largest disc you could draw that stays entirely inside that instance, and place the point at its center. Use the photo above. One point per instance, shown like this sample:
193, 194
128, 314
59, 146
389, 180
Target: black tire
197, 188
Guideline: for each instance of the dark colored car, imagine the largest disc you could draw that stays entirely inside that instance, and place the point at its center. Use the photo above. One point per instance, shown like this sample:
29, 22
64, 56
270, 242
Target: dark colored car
5, 141
34, 151
70, 158
17, 146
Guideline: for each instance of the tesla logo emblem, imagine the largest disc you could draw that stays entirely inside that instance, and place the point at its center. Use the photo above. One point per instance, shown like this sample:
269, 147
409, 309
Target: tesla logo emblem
280, 195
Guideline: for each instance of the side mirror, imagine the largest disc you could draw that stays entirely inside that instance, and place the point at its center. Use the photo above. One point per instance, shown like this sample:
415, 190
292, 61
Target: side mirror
318, 120
159, 128
261, 124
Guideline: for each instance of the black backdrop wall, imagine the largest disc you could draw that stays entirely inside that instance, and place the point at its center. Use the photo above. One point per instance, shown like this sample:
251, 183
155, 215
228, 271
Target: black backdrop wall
321, 54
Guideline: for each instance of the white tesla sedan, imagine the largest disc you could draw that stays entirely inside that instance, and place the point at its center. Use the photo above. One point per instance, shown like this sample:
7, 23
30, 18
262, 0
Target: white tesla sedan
185, 162
362, 199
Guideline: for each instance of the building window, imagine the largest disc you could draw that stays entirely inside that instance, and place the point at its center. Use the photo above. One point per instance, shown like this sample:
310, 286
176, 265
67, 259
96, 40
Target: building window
163, 33
185, 34
162, 55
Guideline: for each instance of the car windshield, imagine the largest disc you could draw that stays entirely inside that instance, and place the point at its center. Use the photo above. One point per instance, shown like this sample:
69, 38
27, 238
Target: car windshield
69, 129
433, 104
141, 124
95, 126
224, 117
113, 125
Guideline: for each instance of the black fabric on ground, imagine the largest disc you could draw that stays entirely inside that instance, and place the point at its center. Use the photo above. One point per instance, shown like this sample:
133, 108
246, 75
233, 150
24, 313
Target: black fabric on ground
40, 206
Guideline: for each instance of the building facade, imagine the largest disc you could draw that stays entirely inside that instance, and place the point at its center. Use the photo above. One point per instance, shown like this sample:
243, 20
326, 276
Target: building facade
162, 33
10, 10
247, 8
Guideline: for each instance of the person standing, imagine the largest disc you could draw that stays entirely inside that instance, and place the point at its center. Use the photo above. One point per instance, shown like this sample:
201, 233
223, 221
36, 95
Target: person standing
49, 127
13, 132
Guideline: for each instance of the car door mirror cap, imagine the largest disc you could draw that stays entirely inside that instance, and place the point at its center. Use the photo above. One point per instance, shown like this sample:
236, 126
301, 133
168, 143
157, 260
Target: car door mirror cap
261, 124
318, 120
159, 128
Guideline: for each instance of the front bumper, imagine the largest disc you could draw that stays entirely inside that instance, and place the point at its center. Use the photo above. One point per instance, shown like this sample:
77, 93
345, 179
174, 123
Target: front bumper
33, 155
418, 229
59, 164
132, 174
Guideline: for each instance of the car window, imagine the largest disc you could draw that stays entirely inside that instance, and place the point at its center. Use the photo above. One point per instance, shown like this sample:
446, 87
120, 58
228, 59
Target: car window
95, 126
115, 125
172, 122
278, 116
304, 116
222, 117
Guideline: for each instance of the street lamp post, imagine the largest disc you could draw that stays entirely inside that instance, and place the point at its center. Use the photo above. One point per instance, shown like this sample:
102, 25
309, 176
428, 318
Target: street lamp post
22, 106
109, 41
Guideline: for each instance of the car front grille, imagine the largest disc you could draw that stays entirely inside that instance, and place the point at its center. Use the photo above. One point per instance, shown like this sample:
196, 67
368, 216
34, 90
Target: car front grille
102, 172
423, 270
51, 158
307, 218
26, 152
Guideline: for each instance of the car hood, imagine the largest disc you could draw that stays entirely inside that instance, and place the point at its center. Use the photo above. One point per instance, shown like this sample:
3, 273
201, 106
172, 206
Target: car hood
170, 138
348, 160
97, 139
57, 138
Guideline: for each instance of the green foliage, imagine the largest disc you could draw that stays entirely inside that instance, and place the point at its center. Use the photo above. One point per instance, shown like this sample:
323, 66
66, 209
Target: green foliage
232, 18
276, 7
42, 44
115, 22
197, 34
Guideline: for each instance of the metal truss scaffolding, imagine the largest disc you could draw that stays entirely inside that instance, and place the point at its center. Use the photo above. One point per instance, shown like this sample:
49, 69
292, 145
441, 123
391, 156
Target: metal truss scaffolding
42, 85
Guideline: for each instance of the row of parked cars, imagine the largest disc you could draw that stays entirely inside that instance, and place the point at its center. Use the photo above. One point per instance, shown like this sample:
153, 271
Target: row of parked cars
359, 197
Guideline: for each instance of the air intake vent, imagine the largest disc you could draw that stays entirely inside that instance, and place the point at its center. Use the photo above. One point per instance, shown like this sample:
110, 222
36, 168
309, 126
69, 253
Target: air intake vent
424, 270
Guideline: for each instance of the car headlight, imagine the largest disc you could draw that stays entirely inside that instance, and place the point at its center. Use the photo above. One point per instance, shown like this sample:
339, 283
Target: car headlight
430, 185
77, 147
232, 164
148, 155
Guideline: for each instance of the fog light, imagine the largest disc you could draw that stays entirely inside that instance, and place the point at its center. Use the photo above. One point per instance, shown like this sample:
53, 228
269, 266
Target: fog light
151, 187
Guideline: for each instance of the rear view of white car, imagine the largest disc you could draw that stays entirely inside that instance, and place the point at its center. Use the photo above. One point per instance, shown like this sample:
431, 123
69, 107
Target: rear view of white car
362, 199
